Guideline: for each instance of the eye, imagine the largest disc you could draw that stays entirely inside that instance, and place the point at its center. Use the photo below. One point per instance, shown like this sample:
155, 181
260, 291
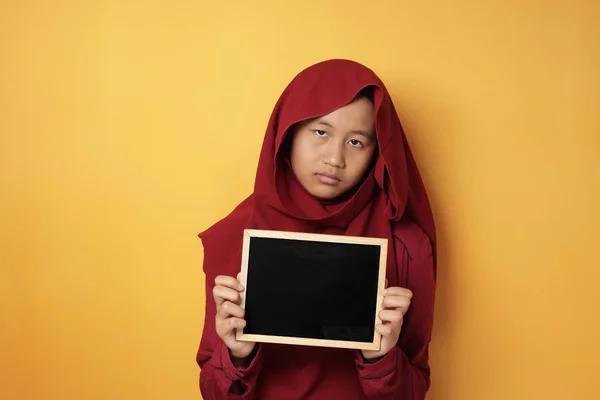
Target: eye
320, 133
355, 143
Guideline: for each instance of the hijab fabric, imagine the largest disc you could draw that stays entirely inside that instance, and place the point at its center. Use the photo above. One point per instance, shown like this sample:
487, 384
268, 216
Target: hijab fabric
391, 191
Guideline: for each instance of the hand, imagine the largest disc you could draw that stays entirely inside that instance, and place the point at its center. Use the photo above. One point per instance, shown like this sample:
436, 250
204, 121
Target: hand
230, 318
396, 301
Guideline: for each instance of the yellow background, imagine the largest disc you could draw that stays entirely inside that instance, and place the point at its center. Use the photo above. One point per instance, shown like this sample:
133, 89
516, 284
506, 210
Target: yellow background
128, 127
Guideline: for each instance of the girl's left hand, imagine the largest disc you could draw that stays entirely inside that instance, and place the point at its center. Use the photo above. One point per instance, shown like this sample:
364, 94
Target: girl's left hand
396, 301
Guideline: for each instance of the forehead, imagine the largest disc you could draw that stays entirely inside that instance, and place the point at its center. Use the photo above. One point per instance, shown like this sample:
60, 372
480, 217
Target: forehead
358, 112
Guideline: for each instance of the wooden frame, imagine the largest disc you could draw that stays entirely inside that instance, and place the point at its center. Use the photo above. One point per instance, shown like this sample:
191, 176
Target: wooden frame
383, 243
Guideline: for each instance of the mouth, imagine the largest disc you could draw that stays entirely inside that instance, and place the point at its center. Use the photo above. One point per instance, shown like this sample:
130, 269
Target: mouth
327, 179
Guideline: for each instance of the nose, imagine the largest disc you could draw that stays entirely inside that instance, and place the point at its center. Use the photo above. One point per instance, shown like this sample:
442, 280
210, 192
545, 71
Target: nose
334, 154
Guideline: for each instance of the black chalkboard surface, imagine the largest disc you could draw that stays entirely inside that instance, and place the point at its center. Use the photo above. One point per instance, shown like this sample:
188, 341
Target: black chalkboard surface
314, 290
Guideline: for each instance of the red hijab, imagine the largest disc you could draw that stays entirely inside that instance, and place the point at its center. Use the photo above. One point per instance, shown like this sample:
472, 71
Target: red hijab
391, 191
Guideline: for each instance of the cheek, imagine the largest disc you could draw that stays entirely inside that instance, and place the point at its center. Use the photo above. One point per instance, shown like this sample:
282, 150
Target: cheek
300, 156
302, 149
361, 163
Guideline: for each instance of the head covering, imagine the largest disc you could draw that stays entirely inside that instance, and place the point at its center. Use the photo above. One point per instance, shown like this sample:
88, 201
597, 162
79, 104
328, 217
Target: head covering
393, 189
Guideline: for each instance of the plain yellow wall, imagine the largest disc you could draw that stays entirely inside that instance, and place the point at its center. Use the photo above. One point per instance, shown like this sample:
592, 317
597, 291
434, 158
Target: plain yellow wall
128, 127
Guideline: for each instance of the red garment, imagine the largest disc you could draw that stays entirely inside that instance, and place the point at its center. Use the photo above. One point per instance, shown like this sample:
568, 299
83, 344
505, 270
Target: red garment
391, 203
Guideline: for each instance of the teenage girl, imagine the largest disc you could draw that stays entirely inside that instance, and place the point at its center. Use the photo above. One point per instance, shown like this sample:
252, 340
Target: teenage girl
334, 161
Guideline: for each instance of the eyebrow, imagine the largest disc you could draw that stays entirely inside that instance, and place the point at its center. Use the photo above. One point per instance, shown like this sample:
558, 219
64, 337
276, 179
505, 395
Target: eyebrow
366, 134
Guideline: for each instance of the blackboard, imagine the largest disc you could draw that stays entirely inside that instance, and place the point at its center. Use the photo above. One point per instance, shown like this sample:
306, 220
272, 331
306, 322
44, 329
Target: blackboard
313, 290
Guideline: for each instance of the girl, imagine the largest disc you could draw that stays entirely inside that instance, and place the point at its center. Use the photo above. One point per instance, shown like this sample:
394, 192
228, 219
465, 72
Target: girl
334, 161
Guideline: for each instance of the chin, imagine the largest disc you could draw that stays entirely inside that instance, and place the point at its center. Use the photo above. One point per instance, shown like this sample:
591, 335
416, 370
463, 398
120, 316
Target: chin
325, 194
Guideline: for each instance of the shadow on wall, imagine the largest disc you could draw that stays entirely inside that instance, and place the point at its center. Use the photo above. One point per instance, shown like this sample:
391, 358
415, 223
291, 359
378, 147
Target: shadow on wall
420, 110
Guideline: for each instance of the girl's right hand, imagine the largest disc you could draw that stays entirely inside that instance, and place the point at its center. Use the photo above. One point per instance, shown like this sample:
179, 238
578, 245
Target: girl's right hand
230, 318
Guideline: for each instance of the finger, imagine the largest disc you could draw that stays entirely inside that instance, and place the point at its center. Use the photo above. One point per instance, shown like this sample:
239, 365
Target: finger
386, 283
393, 316
222, 294
228, 309
398, 291
227, 326
235, 323
401, 302
383, 330
228, 281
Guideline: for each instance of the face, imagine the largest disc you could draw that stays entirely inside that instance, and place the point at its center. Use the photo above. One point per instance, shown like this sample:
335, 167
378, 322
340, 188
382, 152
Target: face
331, 154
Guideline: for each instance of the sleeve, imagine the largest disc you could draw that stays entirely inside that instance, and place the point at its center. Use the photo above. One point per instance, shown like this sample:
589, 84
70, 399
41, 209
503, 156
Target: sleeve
219, 378
403, 373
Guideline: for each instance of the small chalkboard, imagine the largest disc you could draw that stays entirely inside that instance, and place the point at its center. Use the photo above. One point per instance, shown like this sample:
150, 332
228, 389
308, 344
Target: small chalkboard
313, 290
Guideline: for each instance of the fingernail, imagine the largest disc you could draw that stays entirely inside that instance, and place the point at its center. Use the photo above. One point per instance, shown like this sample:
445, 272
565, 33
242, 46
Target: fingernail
240, 287
385, 292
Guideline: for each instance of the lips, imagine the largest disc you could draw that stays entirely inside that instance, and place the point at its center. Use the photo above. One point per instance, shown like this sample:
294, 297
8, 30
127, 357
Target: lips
328, 179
